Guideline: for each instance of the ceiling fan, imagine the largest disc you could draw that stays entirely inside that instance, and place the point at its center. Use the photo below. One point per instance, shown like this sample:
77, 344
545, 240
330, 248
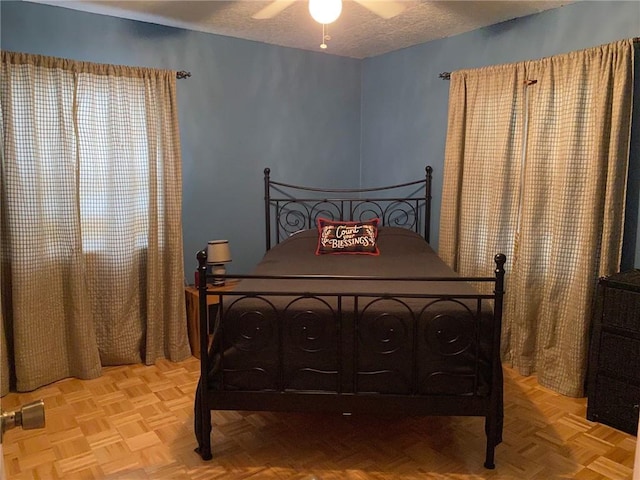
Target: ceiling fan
385, 9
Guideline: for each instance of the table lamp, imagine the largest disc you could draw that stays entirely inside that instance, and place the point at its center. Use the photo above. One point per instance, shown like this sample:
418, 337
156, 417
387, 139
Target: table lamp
218, 253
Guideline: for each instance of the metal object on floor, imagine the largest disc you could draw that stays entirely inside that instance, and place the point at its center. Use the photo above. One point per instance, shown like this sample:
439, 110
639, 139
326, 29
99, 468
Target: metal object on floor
28, 417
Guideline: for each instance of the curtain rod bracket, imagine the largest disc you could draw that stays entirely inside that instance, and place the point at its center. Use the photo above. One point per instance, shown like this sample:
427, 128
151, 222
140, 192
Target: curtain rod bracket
182, 74
445, 75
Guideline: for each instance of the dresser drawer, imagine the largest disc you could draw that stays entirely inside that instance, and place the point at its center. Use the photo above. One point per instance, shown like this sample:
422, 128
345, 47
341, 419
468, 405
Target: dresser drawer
620, 356
614, 403
621, 309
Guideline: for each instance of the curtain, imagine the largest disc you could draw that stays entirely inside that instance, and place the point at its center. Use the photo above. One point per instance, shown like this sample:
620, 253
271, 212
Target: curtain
549, 192
482, 168
92, 270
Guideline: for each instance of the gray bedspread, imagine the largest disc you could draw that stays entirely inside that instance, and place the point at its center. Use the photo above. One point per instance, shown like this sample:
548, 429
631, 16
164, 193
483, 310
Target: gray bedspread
403, 253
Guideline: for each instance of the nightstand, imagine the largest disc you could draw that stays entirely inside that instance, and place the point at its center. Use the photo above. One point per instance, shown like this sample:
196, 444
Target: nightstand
193, 311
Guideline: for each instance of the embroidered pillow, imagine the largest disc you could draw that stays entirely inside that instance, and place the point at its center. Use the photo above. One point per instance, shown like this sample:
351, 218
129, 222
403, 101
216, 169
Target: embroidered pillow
338, 237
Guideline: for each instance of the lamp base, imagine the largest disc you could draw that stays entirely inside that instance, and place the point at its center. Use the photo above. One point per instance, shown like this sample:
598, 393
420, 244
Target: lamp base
218, 269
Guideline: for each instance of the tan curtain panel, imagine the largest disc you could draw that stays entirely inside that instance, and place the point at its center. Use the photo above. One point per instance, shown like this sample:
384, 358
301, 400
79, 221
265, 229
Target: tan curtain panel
561, 217
482, 168
92, 269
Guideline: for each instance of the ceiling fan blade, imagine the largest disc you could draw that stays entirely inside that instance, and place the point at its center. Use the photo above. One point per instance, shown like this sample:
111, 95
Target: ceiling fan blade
273, 9
384, 9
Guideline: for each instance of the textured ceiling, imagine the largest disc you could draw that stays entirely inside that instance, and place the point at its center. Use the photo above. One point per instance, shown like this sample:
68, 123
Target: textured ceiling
358, 33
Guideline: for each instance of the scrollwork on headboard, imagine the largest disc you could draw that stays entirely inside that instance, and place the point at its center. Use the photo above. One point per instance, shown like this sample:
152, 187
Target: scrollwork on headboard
407, 205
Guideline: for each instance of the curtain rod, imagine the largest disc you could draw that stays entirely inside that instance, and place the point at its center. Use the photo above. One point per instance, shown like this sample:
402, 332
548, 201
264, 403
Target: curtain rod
447, 75
182, 74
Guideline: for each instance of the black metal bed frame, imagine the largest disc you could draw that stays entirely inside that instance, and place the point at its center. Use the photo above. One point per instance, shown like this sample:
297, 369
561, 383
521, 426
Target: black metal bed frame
297, 213
350, 313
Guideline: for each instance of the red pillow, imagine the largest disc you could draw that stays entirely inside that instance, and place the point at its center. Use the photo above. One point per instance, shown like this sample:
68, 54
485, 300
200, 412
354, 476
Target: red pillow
339, 237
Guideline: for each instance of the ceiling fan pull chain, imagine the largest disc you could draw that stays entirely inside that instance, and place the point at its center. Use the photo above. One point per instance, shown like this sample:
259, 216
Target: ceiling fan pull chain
325, 38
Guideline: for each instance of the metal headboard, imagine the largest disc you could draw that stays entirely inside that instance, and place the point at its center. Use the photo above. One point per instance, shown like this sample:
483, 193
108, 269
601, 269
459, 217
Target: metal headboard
292, 212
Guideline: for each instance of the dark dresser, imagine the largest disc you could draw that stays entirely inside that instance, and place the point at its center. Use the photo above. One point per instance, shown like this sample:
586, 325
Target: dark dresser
613, 383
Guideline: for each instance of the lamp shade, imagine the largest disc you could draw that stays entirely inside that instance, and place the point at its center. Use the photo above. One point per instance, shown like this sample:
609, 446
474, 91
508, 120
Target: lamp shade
218, 251
325, 11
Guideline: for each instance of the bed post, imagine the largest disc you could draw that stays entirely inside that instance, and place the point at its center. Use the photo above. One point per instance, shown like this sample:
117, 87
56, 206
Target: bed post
267, 209
427, 197
201, 414
494, 420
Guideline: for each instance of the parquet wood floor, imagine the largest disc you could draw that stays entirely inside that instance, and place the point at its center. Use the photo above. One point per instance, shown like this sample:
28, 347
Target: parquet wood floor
135, 422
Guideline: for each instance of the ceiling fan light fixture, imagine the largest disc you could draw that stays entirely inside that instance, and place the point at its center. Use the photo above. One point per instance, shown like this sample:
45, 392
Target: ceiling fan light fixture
325, 11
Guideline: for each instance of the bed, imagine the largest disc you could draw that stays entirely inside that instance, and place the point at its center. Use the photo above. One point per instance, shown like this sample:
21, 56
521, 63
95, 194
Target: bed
388, 328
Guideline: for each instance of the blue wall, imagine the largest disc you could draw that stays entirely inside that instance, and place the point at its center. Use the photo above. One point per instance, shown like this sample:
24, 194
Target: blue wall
405, 103
313, 118
248, 105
